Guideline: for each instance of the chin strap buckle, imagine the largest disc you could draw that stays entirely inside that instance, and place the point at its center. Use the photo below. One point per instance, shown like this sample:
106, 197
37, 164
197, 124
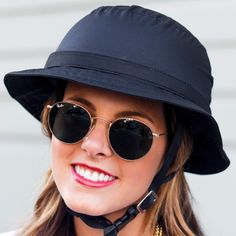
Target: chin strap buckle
147, 201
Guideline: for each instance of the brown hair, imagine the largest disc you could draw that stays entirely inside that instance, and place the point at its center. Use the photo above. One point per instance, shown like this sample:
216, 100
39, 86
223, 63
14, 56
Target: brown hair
172, 210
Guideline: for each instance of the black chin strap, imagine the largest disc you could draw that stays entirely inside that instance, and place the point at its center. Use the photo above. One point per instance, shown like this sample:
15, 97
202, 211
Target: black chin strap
112, 229
162, 177
100, 222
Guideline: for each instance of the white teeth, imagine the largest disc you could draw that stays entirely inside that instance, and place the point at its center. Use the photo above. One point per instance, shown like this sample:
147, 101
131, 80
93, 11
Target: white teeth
101, 177
93, 176
106, 178
77, 169
81, 172
87, 174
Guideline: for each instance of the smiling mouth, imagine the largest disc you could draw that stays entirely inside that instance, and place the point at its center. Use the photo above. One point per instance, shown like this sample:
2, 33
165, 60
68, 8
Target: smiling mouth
92, 177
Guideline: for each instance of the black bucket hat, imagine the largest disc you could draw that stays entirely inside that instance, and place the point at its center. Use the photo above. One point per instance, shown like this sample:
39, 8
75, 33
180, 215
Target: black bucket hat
139, 52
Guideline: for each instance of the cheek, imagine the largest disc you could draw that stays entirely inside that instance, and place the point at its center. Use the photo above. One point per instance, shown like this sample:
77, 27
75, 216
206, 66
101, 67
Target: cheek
139, 174
57, 150
60, 150
147, 167
60, 158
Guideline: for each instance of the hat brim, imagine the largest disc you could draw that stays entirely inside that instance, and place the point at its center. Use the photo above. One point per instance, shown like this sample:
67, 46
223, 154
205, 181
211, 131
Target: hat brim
32, 88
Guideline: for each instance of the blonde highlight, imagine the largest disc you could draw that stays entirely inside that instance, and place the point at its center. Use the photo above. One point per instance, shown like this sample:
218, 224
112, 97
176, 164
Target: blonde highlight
173, 206
45, 207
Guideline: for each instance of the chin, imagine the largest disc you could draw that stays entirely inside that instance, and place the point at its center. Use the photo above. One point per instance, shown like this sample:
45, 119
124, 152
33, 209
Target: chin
94, 206
88, 209
95, 209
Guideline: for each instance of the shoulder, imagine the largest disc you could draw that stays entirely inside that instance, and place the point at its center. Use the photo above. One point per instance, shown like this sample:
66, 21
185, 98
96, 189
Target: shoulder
10, 233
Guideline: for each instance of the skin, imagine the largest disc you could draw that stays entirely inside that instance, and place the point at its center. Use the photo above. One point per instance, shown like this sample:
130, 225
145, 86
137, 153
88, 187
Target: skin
132, 177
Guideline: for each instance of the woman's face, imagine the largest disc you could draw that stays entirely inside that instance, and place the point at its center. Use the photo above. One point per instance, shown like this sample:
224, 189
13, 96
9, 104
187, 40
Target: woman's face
126, 181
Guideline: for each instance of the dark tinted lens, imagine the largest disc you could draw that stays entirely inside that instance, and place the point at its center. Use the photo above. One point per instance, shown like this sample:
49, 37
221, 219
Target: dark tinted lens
69, 122
130, 139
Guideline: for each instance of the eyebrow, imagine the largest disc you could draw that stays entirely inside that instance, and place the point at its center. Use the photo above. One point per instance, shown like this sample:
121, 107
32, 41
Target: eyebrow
83, 101
119, 114
135, 113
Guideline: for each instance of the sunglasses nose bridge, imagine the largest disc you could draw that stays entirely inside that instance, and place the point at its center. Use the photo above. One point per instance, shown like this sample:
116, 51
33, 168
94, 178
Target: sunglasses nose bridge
96, 142
93, 124
102, 119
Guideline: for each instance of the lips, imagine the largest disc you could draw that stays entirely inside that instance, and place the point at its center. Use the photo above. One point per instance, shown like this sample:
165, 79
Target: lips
92, 176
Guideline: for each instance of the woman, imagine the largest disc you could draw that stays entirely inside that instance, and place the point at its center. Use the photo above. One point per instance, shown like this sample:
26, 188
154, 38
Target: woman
125, 101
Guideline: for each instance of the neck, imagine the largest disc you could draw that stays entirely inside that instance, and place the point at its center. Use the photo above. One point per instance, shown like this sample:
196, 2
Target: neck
136, 226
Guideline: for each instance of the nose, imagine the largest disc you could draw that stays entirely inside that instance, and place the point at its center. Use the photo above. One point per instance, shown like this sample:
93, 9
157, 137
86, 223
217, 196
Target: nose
95, 143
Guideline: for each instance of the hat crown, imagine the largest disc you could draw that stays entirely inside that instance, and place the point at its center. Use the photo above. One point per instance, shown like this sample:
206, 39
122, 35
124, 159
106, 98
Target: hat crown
137, 52
144, 37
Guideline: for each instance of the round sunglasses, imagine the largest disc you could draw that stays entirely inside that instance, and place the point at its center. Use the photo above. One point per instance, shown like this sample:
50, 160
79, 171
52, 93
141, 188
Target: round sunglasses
129, 138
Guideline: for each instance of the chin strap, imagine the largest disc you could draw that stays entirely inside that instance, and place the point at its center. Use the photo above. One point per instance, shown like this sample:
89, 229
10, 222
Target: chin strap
100, 222
162, 177
112, 229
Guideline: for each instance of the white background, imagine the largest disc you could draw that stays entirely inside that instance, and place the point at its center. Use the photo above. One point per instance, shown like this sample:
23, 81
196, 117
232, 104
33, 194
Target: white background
30, 30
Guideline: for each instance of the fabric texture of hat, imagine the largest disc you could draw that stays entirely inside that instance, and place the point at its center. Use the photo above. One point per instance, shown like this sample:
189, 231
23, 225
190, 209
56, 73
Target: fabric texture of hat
135, 51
